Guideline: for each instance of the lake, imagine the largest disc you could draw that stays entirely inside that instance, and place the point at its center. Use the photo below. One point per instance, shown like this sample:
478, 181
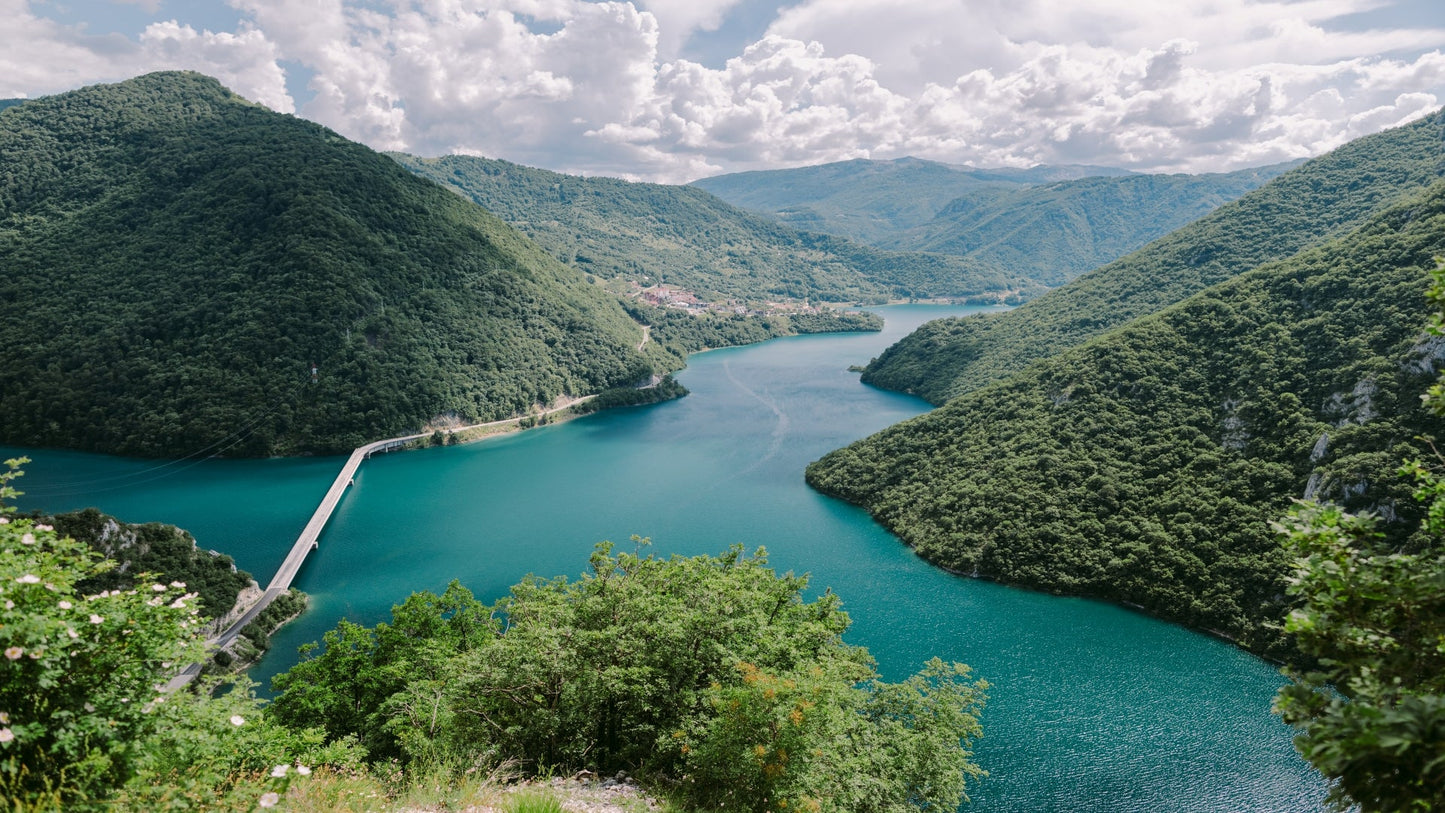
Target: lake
1093, 707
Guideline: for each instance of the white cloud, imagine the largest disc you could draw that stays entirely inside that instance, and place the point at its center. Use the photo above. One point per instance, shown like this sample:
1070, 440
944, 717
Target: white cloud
40, 56
593, 87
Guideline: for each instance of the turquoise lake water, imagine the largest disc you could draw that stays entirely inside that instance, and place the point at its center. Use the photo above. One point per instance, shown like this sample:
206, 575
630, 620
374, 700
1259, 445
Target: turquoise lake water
1093, 707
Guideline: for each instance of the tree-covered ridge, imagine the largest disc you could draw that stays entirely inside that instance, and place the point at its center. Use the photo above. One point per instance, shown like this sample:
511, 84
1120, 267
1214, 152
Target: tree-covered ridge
1054, 232
176, 259
684, 236
1146, 465
875, 201
1324, 198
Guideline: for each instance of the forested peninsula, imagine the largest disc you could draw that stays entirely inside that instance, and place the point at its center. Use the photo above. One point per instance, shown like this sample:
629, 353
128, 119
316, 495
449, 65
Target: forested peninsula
1146, 465
1322, 199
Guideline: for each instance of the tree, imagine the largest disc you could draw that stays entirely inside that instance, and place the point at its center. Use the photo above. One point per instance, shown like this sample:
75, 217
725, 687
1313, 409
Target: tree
1371, 715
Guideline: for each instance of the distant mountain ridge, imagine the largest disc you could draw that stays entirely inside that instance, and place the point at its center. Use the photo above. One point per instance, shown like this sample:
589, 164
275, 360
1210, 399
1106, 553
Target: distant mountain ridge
1048, 223
684, 236
178, 260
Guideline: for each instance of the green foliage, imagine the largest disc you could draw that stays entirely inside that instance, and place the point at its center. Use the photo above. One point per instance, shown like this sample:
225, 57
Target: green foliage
84, 718
1321, 200
153, 547
209, 251
1372, 714
686, 237
534, 801
1145, 466
711, 674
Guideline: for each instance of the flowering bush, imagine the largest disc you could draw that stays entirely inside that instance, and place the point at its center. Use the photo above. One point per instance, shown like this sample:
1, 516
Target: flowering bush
83, 703
82, 674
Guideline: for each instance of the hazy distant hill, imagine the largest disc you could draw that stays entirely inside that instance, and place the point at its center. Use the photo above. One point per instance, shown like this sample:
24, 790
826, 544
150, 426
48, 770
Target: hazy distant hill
1145, 465
874, 201
687, 237
1047, 224
176, 258
1304, 207
1057, 231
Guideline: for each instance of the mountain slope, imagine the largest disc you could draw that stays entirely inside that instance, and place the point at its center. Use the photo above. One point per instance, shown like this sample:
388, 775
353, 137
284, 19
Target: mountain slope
1146, 465
874, 201
1054, 232
1301, 208
177, 258
686, 237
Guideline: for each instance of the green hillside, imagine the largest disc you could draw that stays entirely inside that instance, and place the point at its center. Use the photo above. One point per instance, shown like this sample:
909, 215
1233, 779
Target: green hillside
1146, 465
1304, 207
683, 236
1054, 232
176, 258
874, 201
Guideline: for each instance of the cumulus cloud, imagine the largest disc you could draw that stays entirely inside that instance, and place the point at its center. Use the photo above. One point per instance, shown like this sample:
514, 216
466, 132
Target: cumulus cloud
595, 87
40, 56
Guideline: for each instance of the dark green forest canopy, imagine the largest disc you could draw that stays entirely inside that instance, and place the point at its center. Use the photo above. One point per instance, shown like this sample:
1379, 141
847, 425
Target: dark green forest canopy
1146, 466
176, 258
686, 237
1304, 207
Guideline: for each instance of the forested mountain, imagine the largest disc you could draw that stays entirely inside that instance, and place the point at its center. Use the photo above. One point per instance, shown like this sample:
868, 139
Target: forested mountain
686, 237
874, 201
1304, 207
1053, 232
1046, 224
1146, 465
176, 259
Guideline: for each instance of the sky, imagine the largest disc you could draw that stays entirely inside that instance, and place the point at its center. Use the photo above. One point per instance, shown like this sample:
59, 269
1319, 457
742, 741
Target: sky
674, 90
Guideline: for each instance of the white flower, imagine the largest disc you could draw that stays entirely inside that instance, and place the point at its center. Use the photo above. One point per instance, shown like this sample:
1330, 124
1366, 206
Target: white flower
4, 520
6, 735
14, 652
303, 770
237, 720
65, 605
278, 772
40, 526
96, 619
9, 605
4, 718
159, 588
29, 578
89, 708
269, 799
177, 604
181, 585
72, 633
28, 539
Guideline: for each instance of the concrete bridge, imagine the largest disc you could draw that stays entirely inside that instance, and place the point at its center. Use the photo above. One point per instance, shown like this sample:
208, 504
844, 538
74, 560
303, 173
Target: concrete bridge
311, 534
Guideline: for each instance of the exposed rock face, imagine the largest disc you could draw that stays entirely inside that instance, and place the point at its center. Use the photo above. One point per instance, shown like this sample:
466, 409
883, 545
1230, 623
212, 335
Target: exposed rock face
1357, 406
